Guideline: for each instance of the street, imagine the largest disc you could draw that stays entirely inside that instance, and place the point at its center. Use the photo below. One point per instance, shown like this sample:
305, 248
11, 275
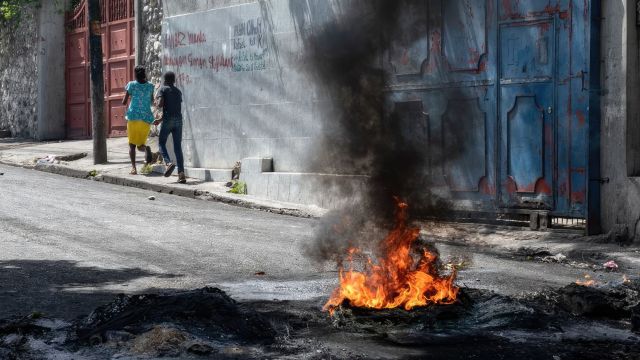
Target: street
69, 245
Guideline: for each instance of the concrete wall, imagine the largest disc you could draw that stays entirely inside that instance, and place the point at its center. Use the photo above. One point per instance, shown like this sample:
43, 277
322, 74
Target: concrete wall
151, 34
264, 105
19, 74
250, 97
32, 82
620, 116
51, 76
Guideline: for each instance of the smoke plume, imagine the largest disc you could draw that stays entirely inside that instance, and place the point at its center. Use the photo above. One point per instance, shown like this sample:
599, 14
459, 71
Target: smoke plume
344, 43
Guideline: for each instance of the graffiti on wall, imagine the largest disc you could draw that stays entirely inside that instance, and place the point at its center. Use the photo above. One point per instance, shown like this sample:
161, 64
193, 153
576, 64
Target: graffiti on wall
194, 53
249, 46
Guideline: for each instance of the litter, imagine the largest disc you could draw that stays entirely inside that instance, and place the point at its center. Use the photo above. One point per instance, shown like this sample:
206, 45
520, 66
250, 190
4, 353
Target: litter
47, 160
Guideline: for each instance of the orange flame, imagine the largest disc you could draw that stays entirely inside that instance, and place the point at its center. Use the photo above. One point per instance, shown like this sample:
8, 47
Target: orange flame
588, 281
394, 281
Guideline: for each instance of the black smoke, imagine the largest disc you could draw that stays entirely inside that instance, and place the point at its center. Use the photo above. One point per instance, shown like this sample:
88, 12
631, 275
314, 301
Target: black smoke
344, 43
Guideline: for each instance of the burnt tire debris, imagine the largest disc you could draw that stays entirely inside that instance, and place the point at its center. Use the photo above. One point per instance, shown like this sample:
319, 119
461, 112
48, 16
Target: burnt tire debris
591, 322
209, 308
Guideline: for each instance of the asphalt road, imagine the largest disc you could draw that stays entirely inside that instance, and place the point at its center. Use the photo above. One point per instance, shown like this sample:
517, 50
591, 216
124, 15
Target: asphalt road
64, 239
68, 245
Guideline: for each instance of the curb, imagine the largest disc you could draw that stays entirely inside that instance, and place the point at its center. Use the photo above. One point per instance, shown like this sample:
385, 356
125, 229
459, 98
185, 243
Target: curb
251, 205
164, 189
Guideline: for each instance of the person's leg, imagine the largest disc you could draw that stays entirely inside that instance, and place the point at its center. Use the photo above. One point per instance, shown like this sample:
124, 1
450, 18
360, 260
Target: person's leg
177, 146
148, 156
176, 133
162, 139
132, 155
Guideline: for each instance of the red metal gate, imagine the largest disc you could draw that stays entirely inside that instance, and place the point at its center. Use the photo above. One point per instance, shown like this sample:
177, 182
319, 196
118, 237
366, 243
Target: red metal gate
118, 60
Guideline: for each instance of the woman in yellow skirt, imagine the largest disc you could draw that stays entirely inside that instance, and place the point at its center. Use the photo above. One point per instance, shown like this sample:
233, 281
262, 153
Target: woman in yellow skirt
139, 115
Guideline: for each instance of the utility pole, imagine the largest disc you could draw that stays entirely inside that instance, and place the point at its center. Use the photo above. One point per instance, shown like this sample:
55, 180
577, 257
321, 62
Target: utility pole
97, 84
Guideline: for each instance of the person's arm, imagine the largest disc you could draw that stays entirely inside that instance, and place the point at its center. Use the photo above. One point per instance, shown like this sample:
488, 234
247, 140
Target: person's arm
160, 98
125, 100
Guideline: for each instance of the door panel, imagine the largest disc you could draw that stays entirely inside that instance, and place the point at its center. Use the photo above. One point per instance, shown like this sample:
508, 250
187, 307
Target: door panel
527, 88
117, 121
527, 51
118, 35
77, 120
504, 87
526, 154
118, 59
466, 169
464, 34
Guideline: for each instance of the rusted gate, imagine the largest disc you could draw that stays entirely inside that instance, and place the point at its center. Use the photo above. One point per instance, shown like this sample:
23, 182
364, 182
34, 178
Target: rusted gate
118, 59
520, 78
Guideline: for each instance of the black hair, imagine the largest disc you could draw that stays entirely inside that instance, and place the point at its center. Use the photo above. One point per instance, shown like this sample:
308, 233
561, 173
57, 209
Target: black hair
141, 73
169, 78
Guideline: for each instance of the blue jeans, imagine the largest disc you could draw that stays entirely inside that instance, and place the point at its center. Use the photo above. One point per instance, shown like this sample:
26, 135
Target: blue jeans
173, 126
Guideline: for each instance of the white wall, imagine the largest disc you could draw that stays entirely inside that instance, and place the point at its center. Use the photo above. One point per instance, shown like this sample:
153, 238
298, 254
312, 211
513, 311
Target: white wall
619, 104
246, 94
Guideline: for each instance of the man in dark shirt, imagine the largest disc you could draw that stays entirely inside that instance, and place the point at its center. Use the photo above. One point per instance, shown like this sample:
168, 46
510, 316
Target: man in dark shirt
169, 99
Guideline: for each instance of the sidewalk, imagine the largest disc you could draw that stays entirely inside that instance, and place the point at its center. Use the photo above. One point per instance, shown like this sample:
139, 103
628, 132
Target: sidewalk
578, 251
25, 153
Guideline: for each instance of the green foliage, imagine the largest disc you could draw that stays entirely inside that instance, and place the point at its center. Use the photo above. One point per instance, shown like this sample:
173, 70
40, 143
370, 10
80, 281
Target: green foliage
10, 10
92, 173
239, 187
147, 169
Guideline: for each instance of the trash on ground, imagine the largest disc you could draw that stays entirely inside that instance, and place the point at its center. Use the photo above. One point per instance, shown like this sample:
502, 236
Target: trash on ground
239, 187
72, 157
147, 169
560, 257
47, 160
610, 265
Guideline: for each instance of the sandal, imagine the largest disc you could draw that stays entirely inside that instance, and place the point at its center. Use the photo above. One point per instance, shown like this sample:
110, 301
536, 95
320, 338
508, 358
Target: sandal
170, 168
133, 171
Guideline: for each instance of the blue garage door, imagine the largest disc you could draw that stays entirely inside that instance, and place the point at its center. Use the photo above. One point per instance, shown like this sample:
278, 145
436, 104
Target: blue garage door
515, 77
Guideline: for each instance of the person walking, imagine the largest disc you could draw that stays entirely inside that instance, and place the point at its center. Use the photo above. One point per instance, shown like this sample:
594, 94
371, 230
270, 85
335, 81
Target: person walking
169, 99
139, 115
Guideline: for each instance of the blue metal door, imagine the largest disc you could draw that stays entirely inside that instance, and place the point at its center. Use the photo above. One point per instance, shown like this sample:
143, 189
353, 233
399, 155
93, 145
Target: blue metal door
514, 77
528, 73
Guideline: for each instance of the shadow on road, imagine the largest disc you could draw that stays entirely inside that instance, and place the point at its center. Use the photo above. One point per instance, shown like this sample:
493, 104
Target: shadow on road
61, 289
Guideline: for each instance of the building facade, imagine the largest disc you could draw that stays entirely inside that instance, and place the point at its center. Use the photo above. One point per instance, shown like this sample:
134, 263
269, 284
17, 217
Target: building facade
544, 92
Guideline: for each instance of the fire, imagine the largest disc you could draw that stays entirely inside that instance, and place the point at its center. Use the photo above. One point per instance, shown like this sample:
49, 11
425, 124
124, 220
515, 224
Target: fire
588, 281
396, 279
